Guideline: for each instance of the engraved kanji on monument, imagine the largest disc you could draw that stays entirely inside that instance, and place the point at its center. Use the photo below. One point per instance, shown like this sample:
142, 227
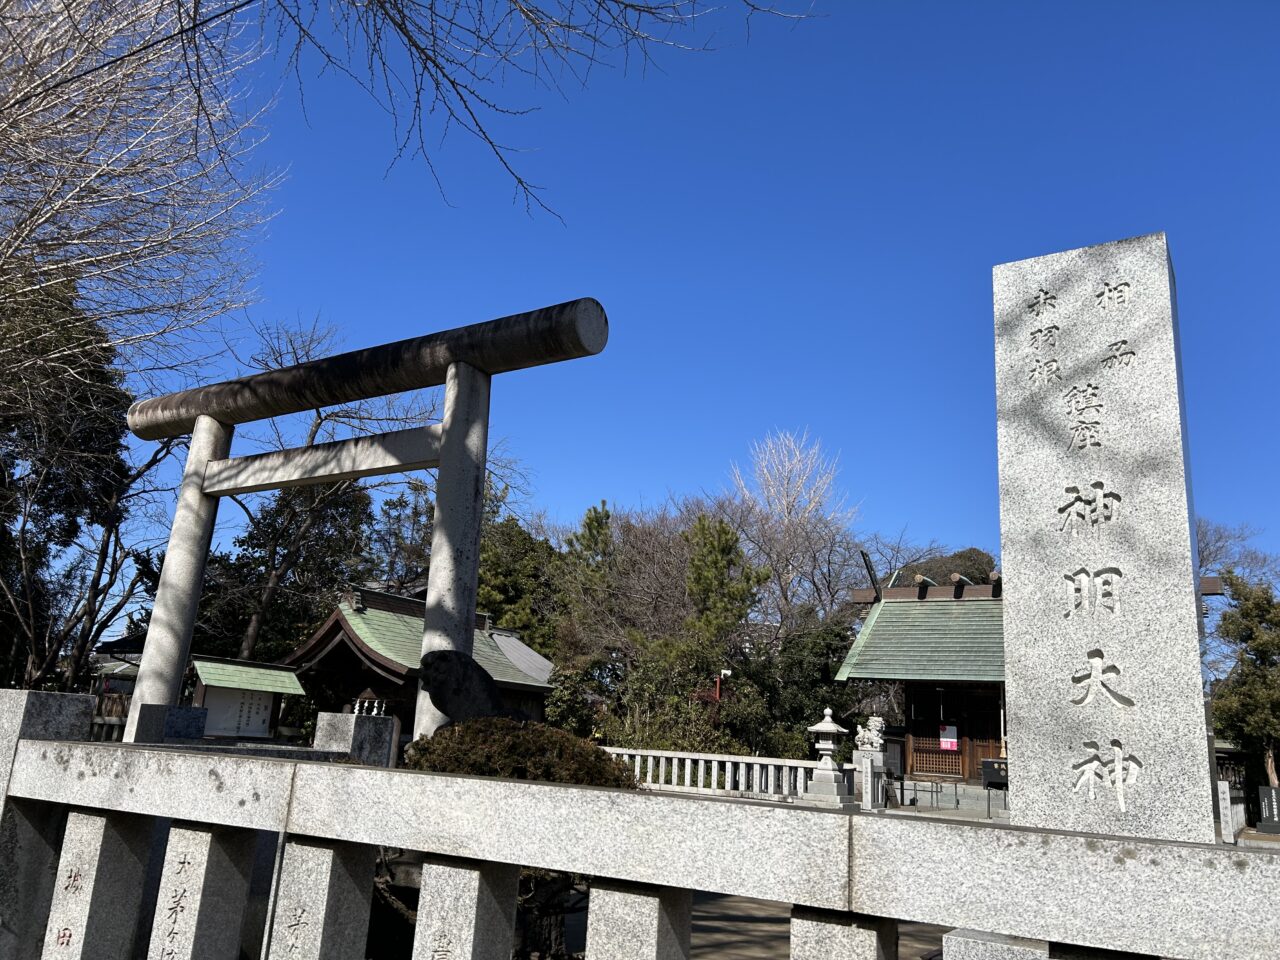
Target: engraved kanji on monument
1101, 626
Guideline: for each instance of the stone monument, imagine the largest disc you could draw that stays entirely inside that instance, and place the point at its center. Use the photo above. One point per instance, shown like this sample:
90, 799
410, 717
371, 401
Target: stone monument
1101, 613
828, 785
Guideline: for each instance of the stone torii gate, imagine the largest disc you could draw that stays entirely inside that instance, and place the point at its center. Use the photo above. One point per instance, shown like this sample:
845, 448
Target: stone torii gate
463, 359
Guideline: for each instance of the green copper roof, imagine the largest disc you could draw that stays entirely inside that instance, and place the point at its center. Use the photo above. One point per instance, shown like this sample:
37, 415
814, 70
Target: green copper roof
398, 637
246, 676
929, 640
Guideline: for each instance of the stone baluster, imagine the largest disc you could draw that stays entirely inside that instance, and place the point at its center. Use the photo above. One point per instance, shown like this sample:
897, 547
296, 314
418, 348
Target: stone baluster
204, 886
715, 774
322, 901
467, 910
662, 770
833, 935
637, 761
637, 922
702, 774
30, 832
97, 894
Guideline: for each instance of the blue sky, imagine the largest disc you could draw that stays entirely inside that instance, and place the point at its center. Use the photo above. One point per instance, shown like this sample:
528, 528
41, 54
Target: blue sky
797, 232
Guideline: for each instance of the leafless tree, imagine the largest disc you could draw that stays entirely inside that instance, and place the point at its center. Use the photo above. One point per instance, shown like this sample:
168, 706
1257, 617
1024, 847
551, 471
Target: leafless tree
438, 66
71, 578
279, 345
794, 522
123, 172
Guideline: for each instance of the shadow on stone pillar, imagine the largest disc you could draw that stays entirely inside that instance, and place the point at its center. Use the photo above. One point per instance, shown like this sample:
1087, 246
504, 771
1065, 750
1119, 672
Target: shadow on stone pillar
466, 911
31, 832
628, 921
322, 901
203, 890
835, 935
97, 893
158, 723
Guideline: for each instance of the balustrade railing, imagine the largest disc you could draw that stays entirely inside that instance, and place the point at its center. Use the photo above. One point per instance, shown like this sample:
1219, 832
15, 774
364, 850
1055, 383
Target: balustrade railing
81, 820
722, 774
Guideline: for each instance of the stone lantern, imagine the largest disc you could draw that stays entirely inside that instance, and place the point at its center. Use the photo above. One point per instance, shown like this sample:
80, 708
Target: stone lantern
828, 784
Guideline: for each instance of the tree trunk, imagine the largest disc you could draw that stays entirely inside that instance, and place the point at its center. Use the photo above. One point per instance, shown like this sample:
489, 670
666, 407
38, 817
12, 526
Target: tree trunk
1269, 759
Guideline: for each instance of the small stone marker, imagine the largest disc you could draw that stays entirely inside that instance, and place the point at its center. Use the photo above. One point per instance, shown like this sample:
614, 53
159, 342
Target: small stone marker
1226, 822
1269, 803
1101, 614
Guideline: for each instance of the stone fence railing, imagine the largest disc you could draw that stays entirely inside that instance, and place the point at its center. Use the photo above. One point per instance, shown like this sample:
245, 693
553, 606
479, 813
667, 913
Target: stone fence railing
720, 774
81, 822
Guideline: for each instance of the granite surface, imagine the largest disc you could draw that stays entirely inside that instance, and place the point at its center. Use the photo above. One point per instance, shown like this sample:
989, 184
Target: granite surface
35, 715
466, 909
633, 922
1178, 900
1103, 687
828, 935
157, 722
98, 890
631, 835
322, 910
365, 739
173, 612
204, 886
449, 615
975, 945
30, 834
204, 788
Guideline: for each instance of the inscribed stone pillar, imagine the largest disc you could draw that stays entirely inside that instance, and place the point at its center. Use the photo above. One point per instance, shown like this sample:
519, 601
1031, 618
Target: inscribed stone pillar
98, 889
450, 615
1106, 716
322, 901
832, 935
204, 886
466, 911
173, 615
30, 832
636, 922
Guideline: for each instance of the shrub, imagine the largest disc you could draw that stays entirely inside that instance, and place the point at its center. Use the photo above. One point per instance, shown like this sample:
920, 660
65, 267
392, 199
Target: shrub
517, 750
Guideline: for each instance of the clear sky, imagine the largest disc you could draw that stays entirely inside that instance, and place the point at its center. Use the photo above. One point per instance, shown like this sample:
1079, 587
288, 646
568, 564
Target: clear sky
798, 231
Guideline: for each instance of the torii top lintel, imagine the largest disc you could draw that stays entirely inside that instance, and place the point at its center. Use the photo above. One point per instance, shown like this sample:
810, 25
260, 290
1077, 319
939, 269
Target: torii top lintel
567, 331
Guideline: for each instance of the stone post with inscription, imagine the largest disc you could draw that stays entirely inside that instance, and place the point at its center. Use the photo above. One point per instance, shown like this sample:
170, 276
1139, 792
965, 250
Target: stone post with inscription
1101, 624
204, 886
